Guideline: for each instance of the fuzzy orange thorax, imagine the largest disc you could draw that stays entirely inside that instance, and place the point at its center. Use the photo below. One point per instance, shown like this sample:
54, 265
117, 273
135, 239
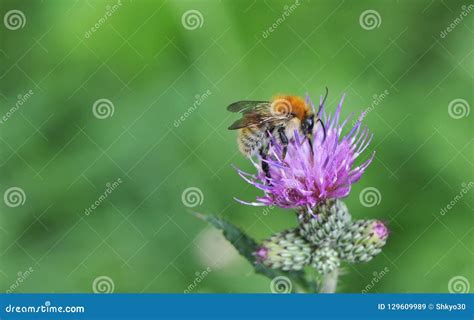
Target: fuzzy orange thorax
296, 104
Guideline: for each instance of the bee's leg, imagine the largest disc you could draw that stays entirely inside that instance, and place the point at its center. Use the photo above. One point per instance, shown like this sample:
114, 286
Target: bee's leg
284, 141
310, 142
263, 154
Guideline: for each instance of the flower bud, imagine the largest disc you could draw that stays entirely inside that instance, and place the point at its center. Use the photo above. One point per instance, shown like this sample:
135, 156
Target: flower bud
325, 260
325, 224
362, 240
286, 250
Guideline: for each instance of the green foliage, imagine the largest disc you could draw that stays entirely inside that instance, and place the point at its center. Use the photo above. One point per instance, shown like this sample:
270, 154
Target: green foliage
246, 246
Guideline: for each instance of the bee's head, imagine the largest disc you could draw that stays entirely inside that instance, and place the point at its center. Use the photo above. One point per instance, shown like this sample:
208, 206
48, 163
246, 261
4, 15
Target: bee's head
307, 125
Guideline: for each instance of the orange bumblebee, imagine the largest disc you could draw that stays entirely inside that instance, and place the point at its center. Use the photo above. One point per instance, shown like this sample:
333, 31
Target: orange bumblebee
278, 118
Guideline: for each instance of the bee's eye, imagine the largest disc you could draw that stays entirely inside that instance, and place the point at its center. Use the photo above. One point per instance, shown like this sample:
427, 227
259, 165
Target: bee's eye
310, 123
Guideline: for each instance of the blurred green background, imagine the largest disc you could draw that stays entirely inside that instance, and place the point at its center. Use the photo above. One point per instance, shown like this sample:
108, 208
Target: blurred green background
153, 60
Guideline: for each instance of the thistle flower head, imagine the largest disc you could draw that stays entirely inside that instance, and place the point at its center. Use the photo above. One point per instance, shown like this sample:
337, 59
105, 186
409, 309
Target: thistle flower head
362, 240
379, 229
305, 178
326, 223
325, 260
286, 250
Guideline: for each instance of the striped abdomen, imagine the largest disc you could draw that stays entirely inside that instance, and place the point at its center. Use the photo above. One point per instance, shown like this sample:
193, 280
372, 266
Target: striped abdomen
251, 139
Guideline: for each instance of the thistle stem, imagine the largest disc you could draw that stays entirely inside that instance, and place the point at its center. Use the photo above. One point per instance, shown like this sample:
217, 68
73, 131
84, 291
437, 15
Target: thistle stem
329, 282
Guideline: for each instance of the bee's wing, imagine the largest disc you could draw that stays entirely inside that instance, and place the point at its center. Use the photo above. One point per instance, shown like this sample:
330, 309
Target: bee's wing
245, 106
254, 115
258, 115
239, 124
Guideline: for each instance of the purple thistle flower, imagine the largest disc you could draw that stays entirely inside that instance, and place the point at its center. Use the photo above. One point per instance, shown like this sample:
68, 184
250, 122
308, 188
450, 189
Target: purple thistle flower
380, 230
261, 254
304, 178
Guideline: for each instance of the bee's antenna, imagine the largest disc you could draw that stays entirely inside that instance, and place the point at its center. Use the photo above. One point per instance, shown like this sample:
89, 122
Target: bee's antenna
323, 102
322, 126
319, 111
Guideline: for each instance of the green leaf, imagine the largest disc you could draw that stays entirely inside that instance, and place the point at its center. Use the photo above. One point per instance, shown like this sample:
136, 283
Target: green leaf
246, 246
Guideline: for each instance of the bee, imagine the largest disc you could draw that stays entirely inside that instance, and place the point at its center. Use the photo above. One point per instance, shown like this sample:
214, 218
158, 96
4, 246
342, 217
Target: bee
278, 118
